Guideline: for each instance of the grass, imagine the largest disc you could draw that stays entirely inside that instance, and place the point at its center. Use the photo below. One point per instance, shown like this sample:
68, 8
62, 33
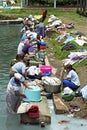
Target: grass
62, 54
70, 15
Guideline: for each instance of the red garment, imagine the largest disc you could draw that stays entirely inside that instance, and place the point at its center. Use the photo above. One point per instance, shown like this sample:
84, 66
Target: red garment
42, 47
33, 112
44, 13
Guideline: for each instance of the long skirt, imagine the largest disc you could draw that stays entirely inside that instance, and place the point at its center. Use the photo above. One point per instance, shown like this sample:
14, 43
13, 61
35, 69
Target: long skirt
12, 101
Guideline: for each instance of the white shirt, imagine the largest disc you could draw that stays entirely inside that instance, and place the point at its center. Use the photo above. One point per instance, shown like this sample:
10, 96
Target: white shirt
20, 47
74, 77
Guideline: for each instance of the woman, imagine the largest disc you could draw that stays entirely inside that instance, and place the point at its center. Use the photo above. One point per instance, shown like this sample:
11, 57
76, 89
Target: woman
40, 30
72, 80
17, 59
20, 67
14, 92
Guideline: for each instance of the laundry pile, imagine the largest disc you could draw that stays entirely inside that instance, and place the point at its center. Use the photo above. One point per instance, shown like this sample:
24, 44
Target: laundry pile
68, 39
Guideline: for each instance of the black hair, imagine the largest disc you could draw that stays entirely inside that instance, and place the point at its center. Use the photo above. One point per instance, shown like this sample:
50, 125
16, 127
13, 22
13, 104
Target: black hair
69, 66
16, 80
19, 57
26, 60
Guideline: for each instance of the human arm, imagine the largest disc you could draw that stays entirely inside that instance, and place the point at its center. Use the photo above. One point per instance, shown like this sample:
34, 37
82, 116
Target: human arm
65, 70
26, 85
24, 69
25, 75
20, 94
62, 73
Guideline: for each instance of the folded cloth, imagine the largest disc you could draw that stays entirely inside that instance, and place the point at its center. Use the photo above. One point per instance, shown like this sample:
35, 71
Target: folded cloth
33, 112
33, 108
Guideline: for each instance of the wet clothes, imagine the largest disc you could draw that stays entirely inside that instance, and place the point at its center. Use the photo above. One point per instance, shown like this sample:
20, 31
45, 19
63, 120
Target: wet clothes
11, 99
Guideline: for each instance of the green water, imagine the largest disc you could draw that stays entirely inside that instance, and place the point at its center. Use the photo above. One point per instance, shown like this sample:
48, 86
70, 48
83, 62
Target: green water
9, 40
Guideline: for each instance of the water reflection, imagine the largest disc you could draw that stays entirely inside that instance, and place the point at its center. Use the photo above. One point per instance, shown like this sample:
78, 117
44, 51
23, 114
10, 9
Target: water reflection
9, 39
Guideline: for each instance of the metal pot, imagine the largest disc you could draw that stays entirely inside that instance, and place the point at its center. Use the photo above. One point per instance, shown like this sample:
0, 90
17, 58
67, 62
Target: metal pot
52, 88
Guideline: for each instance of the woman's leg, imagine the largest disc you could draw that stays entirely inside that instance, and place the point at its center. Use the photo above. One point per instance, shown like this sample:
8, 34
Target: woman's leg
68, 83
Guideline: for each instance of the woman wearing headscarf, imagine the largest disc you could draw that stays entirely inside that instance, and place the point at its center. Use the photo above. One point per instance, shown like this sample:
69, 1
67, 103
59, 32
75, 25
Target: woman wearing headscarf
20, 67
14, 93
72, 79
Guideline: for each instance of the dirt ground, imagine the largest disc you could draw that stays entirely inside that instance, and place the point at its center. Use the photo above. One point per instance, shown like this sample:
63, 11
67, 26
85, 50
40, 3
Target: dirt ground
82, 72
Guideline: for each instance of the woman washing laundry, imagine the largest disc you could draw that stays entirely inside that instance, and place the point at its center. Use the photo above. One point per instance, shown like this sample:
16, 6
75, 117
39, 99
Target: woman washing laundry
14, 92
72, 79
20, 67
40, 29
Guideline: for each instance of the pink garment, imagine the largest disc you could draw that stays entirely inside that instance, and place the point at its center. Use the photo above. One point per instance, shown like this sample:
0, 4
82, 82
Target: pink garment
26, 42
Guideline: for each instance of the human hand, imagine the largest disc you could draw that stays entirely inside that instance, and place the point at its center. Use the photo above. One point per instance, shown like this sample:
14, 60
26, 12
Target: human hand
62, 72
24, 96
62, 68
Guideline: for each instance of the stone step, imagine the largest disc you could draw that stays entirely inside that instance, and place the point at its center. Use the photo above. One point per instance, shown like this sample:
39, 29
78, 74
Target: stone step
44, 113
59, 106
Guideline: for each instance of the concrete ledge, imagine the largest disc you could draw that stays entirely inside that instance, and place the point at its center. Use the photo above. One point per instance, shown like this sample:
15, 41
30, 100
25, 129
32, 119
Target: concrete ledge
11, 21
44, 113
59, 106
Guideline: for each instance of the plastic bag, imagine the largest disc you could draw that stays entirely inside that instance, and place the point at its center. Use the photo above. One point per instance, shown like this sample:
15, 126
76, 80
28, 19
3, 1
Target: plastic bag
84, 92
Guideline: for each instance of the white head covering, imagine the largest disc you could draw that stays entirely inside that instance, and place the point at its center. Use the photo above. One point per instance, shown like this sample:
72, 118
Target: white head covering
30, 16
19, 77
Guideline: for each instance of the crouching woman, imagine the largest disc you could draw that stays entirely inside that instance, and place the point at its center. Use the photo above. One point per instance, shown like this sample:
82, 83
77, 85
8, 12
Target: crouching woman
72, 79
14, 94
